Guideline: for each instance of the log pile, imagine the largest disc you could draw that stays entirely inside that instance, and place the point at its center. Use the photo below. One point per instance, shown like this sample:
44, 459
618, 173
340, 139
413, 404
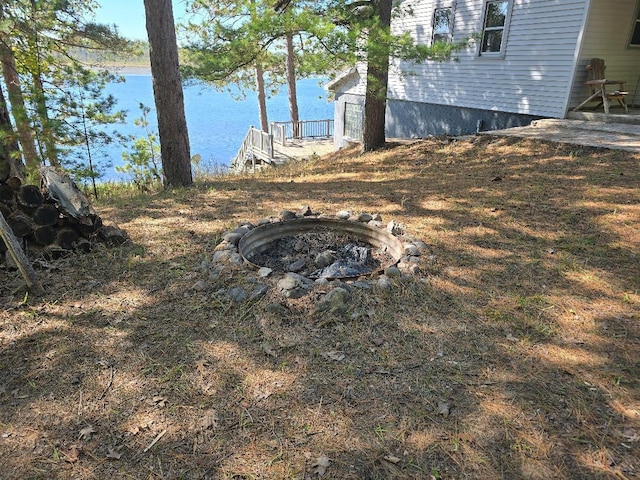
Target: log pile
54, 219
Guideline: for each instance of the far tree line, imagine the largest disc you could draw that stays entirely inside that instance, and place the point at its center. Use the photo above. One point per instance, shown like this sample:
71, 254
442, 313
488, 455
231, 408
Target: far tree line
52, 100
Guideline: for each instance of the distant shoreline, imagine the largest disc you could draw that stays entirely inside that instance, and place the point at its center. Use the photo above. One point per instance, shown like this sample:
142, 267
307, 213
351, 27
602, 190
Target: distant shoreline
130, 70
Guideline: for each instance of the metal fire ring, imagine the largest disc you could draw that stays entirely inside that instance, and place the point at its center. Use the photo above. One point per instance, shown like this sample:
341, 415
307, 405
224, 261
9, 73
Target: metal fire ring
260, 237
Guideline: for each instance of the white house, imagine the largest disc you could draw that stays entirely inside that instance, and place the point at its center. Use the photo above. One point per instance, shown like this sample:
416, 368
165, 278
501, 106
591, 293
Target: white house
528, 62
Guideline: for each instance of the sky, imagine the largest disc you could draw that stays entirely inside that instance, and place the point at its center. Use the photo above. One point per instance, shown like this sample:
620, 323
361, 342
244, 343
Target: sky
128, 15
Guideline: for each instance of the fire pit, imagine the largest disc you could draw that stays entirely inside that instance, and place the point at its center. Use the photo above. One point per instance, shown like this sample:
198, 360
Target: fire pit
321, 247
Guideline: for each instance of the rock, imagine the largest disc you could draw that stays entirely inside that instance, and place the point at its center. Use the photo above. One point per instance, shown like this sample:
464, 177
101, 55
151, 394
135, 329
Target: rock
264, 221
344, 214
336, 301
233, 237
432, 259
258, 292
423, 247
324, 259
221, 256
384, 282
236, 259
277, 309
363, 284
287, 215
375, 223
322, 282
298, 265
246, 228
199, 286
395, 228
392, 271
264, 272
364, 217
215, 272
305, 211
294, 285
411, 250
237, 294
377, 218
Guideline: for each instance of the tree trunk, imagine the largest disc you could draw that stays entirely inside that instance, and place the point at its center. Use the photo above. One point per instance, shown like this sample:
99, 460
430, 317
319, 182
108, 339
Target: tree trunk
167, 91
18, 109
262, 98
291, 81
375, 104
10, 164
47, 141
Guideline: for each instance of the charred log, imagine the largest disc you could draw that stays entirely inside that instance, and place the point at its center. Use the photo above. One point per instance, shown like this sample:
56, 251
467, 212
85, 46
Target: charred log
7, 195
46, 215
67, 238
45, 235
15, 183
30, 197
20, 224
113, 236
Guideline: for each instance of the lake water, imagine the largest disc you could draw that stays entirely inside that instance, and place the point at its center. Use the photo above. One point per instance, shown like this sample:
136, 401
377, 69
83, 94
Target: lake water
216, 121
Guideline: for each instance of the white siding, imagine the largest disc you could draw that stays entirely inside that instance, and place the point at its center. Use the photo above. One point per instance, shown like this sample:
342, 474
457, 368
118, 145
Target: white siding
533, 77
607, 36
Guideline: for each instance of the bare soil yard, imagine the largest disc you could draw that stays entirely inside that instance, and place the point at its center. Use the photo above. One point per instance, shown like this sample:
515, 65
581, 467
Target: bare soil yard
514, 354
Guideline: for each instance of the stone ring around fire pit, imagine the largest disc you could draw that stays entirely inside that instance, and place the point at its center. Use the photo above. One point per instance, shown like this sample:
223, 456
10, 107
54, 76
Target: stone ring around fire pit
364, 249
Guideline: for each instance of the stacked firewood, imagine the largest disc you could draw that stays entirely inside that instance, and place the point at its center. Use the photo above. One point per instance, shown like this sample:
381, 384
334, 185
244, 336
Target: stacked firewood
47, 224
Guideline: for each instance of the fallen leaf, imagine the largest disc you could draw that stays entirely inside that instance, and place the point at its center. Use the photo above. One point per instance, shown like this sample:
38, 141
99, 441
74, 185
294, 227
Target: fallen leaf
336, 356
391, 459
201, 366
269, 350
114, 453
209, 420
444, 409
511, 338
85, 433
72, 455
157, 401
321, 465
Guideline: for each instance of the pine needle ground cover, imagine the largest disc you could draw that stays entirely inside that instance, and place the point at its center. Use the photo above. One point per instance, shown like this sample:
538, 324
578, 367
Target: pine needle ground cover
513, 354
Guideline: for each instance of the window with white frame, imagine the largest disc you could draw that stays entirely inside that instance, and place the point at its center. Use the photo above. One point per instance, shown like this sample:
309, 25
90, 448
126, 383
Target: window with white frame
442, 25
494, 28
635, 34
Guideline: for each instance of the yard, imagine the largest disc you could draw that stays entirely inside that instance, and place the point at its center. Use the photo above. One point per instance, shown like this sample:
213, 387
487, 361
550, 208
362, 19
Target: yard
514, 353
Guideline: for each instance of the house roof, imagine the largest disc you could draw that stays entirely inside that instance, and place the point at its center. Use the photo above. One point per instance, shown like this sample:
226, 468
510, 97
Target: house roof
341, 79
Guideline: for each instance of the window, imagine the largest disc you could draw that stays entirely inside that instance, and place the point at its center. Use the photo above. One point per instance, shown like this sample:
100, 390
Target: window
495, 27
635, 34
353, 121
442, 25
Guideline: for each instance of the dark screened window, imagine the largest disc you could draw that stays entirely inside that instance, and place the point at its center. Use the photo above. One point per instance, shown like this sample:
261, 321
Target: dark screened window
635, 36
493, 30
353, 121
442, 24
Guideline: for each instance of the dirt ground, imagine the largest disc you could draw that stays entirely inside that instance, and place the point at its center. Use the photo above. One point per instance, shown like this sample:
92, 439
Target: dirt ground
515, 353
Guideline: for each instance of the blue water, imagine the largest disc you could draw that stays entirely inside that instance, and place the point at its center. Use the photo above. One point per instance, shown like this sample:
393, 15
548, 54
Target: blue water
217, 122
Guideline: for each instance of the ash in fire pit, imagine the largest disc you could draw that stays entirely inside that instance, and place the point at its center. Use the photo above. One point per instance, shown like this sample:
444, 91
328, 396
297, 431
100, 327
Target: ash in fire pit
321, 248
321, 254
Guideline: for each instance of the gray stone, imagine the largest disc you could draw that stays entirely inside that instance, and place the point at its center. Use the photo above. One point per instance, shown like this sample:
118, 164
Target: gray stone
384, 282
411, 250
294, 285
337, 301
264, 272
277, 309
395, 228
215, 272
375, 223
344, 214
421, 245
363, 284
237, 294
392, 271
287, 215
364, 217
322, 282
377, 217
305, 211
236, 259
242, 229
221, 256
298, 265
324, 259
264, 221
233, 237
259, 291
199, 286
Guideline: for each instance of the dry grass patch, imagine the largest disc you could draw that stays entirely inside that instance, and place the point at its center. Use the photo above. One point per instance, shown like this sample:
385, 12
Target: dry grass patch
513, 355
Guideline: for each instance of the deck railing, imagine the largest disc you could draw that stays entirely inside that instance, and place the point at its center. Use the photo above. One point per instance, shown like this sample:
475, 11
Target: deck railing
283, 131
257, 145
